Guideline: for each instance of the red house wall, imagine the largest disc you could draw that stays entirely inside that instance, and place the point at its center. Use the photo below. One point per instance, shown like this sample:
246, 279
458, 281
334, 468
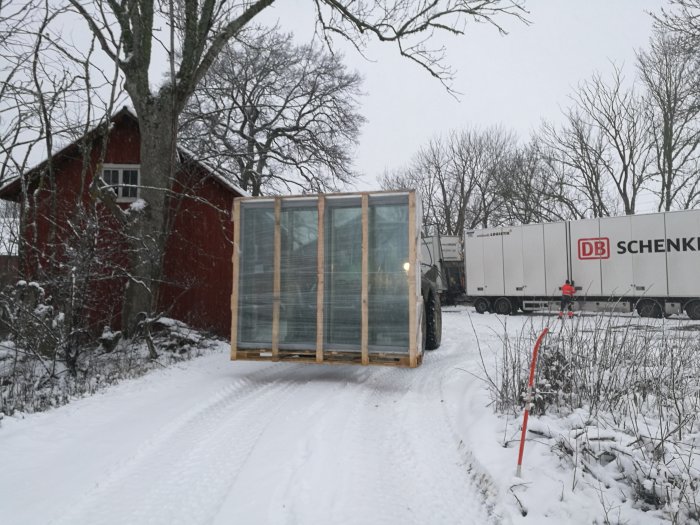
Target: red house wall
197, 266
102, 306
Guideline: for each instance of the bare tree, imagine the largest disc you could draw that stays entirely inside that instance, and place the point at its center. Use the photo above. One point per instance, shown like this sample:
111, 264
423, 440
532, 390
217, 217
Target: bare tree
487, 154
427, 175
277, 115
482, 177
619, 119
198, 31
17, 36
671, 75
576, 152
51, 93
533, 191
682, 20
459, 178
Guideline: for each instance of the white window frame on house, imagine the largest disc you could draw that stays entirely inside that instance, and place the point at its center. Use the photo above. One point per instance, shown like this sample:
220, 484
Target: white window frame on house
126, 191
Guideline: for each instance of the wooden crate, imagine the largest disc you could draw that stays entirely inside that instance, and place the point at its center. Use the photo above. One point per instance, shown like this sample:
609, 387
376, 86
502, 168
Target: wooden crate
328, 278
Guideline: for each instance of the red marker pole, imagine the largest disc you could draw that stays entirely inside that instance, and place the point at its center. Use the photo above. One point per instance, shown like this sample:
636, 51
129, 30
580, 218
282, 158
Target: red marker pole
528, 399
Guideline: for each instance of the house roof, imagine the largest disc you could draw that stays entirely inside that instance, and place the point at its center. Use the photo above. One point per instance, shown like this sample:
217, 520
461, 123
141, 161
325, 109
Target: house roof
218, 174
12, 187
7, 184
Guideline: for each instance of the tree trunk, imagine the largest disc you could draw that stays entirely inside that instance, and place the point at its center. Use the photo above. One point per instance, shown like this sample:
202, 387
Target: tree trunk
147, 229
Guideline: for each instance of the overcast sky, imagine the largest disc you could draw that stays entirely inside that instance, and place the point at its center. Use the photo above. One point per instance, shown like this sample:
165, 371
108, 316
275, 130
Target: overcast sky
514, 80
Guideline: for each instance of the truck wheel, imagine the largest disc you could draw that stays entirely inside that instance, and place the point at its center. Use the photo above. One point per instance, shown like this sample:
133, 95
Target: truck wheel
482, 305
423, 330
649, 308
693, 310
433, 315
502, 306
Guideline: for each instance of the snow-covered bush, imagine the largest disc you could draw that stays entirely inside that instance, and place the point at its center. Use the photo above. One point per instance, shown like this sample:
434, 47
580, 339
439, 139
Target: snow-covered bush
36, 370
53, 343
622, 399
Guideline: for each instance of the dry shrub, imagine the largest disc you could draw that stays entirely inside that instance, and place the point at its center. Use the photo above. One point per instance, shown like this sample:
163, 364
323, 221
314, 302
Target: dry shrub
627, 391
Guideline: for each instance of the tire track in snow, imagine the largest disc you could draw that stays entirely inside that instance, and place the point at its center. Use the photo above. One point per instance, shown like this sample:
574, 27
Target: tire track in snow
184, 473
308, 484
401, 457
361, 445
398, 456
487, 487
337, 471
429, 453
480, 477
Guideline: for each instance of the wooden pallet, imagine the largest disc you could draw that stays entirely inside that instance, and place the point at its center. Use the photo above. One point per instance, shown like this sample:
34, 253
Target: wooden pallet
330, 357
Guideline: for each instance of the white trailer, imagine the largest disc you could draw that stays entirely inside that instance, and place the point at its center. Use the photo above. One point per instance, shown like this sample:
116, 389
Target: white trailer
649, 262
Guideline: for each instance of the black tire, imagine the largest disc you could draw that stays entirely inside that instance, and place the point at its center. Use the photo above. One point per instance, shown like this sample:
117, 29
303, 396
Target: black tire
423, 330
482, 305
693, 310
433, 316
649, 308
502, 306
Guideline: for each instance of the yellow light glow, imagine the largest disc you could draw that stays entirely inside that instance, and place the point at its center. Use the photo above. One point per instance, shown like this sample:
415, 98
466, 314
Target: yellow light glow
406, 266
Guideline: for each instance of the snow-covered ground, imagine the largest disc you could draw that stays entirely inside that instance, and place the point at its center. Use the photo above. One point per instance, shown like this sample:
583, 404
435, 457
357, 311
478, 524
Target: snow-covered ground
214, 441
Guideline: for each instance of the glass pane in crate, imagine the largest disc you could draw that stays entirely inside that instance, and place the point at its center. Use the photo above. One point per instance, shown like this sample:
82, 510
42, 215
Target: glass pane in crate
298, 270
388, 274
343, 274
256, 274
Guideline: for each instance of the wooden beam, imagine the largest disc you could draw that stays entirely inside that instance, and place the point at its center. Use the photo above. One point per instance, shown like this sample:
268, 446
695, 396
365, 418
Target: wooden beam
412, 299
365, 280
236, 280
320, 276
276, 280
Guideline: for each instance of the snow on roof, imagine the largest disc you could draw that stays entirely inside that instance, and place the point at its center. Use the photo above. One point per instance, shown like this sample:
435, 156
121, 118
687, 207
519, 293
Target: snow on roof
220, 176
8, 183
9, 229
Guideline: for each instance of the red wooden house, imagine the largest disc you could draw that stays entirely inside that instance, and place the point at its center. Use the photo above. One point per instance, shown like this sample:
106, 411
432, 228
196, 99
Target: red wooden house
197, 266
8, 250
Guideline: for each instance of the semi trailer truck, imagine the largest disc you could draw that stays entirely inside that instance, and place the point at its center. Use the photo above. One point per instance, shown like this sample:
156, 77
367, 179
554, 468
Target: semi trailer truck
649, 263
445, 254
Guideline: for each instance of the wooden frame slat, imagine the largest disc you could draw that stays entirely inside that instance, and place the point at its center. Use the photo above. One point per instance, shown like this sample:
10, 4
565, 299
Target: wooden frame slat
329, 196
236, 279
320, 276
364, 347
276, 280
412, 263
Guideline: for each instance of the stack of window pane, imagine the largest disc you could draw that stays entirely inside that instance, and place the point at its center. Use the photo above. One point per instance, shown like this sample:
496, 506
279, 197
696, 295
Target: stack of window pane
327, 278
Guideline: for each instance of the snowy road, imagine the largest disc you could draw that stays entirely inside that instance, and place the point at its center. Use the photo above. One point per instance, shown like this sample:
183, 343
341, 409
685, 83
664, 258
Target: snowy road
212, 441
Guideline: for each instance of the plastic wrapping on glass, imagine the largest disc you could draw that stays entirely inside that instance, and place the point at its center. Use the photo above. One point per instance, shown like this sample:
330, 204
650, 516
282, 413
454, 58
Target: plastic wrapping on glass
256, 274
388, 268
343, 269
298, 282
279, 311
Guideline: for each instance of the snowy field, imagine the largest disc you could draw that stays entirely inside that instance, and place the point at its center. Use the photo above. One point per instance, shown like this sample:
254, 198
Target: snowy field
214, 441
